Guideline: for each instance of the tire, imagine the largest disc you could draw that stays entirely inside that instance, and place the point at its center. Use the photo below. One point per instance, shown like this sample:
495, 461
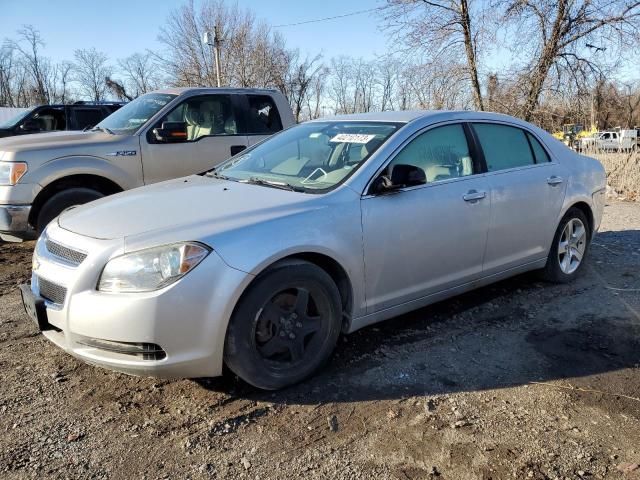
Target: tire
563, 267
63, 200
276, 338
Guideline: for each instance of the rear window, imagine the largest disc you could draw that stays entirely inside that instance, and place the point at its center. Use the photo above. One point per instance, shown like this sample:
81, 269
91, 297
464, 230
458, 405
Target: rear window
263, 116
504, 147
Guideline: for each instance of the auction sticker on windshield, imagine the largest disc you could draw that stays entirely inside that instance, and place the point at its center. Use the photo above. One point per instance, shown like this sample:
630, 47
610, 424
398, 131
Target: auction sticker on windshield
352, 138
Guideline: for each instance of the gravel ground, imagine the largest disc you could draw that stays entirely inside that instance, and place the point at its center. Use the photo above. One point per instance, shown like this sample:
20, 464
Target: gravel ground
517, 380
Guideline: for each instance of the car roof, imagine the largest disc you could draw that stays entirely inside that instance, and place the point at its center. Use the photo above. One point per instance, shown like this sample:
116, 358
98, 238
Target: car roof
196, 90
406, 116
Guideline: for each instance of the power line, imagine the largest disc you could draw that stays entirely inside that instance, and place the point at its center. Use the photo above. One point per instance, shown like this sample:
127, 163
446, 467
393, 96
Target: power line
359, 12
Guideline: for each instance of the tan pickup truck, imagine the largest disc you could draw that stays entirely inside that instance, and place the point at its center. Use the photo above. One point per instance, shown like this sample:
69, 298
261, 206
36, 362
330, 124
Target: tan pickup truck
159, 136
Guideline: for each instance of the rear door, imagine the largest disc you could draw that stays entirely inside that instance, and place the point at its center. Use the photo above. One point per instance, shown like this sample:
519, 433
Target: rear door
527, 190
214, 133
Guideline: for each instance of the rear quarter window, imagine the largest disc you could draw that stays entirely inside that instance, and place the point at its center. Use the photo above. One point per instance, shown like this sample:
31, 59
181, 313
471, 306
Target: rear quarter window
539, 152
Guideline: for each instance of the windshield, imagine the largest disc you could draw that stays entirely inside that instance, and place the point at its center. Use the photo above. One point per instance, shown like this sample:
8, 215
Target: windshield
16, 118
311, 157
133, 115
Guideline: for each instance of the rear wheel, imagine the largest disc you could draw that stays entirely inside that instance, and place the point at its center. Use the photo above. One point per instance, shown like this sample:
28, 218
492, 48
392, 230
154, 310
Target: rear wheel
63, 200
570, 245
285, 326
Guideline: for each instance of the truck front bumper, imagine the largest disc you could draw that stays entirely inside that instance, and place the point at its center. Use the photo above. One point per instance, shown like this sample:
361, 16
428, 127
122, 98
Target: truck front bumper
14, 223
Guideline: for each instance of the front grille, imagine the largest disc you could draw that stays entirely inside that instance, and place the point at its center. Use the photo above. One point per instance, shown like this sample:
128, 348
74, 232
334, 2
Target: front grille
65, 253
52, 291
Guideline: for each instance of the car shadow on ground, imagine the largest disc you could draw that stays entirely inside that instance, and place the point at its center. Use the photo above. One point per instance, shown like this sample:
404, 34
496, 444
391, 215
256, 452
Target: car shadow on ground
511, 333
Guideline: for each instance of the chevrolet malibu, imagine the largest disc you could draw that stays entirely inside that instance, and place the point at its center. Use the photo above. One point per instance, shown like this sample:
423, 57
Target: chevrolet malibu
323, 229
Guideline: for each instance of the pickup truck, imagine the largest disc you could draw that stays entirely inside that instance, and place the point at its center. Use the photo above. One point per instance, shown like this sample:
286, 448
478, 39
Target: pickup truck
159, 136
53, 118
613, 140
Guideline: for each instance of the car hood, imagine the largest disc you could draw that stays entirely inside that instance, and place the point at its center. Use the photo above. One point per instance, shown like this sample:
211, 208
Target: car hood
58, 143
194, 207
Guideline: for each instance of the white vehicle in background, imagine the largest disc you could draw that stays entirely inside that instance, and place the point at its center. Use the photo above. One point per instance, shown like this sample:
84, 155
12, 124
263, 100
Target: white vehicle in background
613, 140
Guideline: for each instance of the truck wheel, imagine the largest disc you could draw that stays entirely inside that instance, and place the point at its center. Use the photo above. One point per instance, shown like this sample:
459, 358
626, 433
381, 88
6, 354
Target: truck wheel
284, 327
63, 200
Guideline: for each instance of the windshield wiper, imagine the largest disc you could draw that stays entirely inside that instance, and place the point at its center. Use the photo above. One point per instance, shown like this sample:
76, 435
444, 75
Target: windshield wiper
215, 174
274, 184
103, 129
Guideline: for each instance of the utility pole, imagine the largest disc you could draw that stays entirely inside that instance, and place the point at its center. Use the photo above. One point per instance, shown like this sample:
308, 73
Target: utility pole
215, 43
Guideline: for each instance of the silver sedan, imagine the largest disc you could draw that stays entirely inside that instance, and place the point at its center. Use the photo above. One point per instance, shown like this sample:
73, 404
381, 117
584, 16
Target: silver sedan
325, 228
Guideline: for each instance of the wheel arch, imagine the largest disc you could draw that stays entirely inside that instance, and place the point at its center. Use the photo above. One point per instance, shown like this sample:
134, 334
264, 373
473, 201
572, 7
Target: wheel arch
330, 265
95, 182
585, 208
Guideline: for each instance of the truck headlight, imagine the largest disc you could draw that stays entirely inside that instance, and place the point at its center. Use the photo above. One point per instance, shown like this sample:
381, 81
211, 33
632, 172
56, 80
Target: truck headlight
151, 269
12, 172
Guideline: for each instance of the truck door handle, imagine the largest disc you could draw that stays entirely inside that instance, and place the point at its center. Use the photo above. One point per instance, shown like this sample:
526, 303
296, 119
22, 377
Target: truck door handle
235, 149
473, 196
554, 180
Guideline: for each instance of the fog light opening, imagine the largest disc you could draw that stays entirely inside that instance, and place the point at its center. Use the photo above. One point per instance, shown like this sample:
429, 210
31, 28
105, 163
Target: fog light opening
146, 351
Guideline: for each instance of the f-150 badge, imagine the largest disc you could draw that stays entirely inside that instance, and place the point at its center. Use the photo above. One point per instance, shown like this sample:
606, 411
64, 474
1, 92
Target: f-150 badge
122, 153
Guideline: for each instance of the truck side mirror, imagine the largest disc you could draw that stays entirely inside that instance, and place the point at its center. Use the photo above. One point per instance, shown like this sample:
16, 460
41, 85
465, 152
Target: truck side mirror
171, 132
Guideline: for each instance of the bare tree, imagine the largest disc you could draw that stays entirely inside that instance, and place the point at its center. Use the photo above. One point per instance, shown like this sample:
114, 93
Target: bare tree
91, 70
441, 28
555, 35
118, 89
251, 55
28, 47
300, 80
140, 72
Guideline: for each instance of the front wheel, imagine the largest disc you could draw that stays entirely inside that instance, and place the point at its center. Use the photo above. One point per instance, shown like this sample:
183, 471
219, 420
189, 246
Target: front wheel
285, 326
63, 200
569, 248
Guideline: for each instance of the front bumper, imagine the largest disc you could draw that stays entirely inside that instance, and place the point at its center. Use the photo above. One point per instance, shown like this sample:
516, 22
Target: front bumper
187, 320
14, 222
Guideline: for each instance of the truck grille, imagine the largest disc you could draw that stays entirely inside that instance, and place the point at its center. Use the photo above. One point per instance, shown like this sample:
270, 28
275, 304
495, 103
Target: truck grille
52, 291
65, 253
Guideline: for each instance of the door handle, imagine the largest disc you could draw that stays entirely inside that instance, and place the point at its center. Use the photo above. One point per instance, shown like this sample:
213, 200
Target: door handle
554, 180
473, 196
235, 149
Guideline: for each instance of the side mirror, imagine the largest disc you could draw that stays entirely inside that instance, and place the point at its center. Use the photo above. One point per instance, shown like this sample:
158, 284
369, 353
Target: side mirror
30, 125
171, 132
401, 176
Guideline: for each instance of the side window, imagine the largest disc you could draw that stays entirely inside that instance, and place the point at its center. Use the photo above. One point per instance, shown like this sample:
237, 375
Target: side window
50, 119
205, 116
442, 153
87, 117
539, 152
264, 118
503, 146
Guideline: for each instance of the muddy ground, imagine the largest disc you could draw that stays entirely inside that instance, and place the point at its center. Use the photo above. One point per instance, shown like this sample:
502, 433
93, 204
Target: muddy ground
518, 380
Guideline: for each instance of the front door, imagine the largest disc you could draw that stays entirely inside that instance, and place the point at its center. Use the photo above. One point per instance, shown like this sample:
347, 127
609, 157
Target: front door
427, 238
213, 135
527, 192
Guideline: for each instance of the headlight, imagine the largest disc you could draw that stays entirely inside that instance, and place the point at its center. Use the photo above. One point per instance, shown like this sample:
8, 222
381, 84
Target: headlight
12, 172
151, 269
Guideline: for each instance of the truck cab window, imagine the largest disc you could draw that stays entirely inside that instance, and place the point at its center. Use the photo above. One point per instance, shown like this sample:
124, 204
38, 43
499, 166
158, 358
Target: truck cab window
264, 118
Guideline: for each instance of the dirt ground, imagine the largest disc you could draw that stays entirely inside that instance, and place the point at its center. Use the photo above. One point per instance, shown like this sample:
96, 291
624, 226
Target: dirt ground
518, 380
